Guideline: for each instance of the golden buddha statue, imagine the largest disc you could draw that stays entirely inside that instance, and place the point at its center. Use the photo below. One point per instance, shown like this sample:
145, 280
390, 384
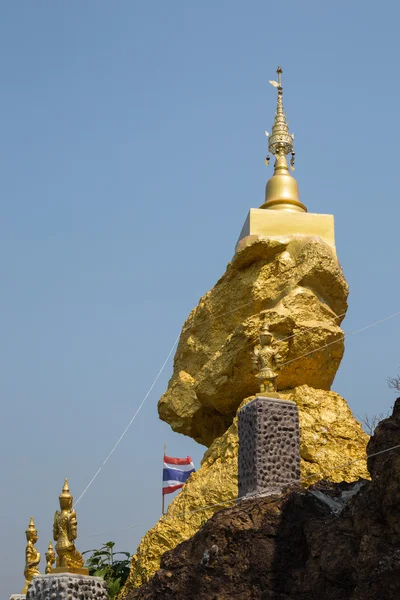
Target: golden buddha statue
65, 530
32, 556
50, 558
266, 361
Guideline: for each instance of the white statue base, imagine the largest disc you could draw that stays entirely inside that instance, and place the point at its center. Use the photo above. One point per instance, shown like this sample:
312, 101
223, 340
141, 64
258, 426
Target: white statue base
65, 586
18, 597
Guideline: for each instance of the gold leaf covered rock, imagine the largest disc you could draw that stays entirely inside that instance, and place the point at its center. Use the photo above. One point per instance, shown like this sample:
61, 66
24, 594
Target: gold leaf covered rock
330, 437
295, 286
286, 278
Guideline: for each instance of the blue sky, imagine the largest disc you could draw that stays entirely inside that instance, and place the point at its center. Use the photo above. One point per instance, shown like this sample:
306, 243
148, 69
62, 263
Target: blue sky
131, 148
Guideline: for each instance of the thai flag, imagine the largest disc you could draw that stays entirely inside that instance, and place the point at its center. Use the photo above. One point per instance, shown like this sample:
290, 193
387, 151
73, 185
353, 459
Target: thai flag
176, 471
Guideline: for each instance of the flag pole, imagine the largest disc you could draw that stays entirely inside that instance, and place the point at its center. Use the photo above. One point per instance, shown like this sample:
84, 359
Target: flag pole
162, 490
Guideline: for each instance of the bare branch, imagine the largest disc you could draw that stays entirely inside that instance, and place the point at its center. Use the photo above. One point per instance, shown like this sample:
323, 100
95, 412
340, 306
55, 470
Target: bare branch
371, 422
394, 383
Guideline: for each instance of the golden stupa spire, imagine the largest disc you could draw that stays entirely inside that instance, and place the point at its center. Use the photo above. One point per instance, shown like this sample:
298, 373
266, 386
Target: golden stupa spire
281, 192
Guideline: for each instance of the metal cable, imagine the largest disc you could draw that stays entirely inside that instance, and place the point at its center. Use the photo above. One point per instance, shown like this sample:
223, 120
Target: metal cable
233, 500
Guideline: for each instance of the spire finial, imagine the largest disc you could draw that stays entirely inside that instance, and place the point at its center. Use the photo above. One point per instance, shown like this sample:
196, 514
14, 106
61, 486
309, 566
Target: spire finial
279, 73
280, 141
282, 191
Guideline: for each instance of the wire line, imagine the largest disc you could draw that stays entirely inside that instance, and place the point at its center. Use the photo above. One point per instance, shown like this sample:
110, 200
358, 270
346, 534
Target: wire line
345, 336
161, 370
165, 363
232, 500
121, 437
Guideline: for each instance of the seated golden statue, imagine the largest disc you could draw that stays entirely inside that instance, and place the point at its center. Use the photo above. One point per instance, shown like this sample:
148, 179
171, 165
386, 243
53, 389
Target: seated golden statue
32, 556
65, 529
50, 558
266, 361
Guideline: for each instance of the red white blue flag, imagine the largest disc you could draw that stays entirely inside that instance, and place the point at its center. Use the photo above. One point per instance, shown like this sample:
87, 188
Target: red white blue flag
176, 471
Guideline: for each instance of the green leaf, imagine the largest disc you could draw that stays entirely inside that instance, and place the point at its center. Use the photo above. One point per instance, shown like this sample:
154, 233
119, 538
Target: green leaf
103, 564
114, 587
99, 573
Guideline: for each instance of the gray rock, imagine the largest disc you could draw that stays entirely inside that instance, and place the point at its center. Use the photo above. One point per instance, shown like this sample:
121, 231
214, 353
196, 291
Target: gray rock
269, 447
67, 586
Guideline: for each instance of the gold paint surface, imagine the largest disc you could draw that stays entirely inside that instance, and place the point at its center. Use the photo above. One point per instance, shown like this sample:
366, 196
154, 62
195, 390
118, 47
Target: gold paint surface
293, 285
32, 556
282, 191
50, 558
330, 436
261, 223
297, 288
76, 570
266, 361
65, 531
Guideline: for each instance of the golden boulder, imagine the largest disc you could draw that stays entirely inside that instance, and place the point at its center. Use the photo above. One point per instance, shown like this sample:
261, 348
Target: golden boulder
297, 287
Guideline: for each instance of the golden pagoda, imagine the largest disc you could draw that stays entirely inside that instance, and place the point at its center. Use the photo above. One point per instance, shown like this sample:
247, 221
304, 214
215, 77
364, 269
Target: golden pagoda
282, 214
285, 283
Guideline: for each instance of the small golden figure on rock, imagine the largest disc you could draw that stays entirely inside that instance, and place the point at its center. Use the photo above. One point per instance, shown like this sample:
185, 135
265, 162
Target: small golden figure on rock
266, 362
50, 558
65, 531
32, 556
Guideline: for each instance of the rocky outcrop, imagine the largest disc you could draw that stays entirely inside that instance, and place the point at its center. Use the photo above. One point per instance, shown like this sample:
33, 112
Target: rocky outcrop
331, 541
330, 437
296, 285
298, 288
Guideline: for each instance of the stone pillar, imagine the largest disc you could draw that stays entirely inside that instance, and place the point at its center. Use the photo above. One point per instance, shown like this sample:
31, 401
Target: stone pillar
67, 586
269, 447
